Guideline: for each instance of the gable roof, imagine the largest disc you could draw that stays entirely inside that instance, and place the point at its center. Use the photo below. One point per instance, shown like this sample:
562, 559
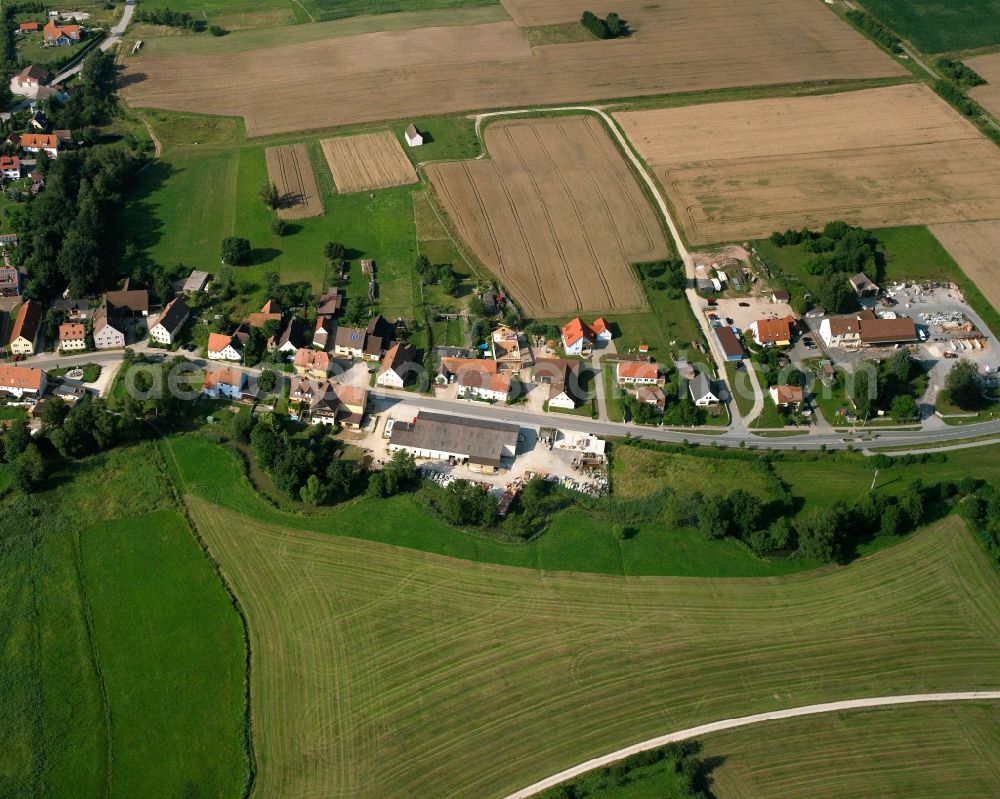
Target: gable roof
600, 326
653, 395
888, 331
217, 342
225, 376
36, 72
28, 321
270, 312
329, 304
785, 395
638, 370
292, 334
729, 341
40, 140
773, 330
398, 356
10, 162
844, 325
173, 315
350, 337
576, 329
128, 299
312, 359
701, 386
72, 331
26, 378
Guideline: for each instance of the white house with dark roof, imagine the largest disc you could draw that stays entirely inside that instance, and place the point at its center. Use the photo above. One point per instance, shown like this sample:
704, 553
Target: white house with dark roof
413, 136
170, 321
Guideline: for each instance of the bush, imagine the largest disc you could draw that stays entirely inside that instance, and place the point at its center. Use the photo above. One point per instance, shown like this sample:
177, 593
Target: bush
875, 29
216, 30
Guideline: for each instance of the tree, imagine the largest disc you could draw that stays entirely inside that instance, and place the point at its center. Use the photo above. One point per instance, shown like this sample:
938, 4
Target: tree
29, 469
272, 284
898, 367
449, 282
236, 251
835, 294
226, 282
314, 492
745, 512
278, 226
340, 476
903, 408
334, 252
819, 534
269, 195
964, 385
16, 440
268, 380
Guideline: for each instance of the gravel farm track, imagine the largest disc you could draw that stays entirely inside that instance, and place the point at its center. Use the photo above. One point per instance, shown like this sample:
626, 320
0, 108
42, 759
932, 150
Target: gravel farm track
882, 157
366, 162
686, 45
556, 213
290, 169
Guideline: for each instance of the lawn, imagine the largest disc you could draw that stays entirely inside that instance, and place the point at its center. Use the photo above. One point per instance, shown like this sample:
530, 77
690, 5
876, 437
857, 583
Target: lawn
231, 14
894, 753
378, 671
337, 9
740, 387
938, 25
123, 658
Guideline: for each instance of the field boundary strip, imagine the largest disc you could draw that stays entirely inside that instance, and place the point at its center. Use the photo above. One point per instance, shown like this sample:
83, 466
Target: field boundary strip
745, 721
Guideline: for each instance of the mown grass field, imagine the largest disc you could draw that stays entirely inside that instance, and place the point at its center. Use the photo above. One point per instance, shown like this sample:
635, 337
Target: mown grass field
383, 672
895, 753
122, 660
939, 25
338, 9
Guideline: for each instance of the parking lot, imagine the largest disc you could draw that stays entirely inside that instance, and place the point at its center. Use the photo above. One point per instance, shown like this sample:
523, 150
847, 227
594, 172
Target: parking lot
745, 310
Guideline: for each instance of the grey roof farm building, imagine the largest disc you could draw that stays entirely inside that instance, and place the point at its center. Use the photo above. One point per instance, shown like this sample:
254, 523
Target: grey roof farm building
440, 436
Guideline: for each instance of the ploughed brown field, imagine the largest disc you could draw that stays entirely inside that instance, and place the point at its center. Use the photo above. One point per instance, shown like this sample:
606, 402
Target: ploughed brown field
369, 161
976, 248
880, 157
290, 169
988, 96
683, 45
555, 213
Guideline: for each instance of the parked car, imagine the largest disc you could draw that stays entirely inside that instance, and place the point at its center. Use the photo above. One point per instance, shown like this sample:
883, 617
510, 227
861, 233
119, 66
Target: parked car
744, 305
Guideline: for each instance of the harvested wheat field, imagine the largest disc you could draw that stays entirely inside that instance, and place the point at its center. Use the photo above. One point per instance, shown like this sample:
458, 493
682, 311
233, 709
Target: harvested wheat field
976, 248
881, 157
685, 45
369, 161
555, 214
379, 671
988, 96
290, 169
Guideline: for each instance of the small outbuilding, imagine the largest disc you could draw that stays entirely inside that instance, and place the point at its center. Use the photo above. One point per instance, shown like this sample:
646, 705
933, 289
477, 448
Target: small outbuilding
413, 136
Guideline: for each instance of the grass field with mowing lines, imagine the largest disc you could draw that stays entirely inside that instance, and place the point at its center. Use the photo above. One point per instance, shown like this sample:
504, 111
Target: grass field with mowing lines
894, 753
383, 672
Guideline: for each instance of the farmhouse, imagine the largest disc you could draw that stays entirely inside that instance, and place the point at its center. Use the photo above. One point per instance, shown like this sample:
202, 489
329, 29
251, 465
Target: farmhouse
22, 381
10, 167
396, 366
10, 281
560, 378
27, 326
226, 348
413, 137
841, 331
730, 344
128, 301
197, 282
348, 343
47, 143
702, 391
225, 382
438, 436
900, 330
637, 373
578, 338
326, 402
329, 304
60, 35
270, 312
786, 396
773, 332
72, 336
109, 332
483, 383
378, 338
170, 322
862, 286
353, 400
288, 341
314, 363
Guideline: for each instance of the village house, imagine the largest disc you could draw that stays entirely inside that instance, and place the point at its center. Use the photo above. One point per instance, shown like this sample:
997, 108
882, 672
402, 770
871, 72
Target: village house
74, 309
109, 332
27, 328
485, 384
227, 348
773, 332
353, 401
39, 122
577, 338
288, 341
128, 301
702, 391
879, 332
652, 395
862, 286
349, 342
225, 382
510, 356
379, 336
314, 363
779, 295
72, 336
22, 382
10, 167
270, 312
786, 396
397, 365
330, 303
28, 27
841, 331
637, 373
602, 330
413, 136
325, 402
559, 379
10, 281
170, 321
47, 143
32, 77
58, 35
323, 335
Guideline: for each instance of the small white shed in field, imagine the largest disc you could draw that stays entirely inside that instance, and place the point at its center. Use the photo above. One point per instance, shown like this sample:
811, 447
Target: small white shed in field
413, 137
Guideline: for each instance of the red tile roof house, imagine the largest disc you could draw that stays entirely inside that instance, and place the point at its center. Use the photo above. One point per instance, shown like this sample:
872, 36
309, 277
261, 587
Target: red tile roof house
773, 332
224, 382
28, 27
22, 381
33, 76
10, 167
637, 373
72, 336
226, 348
27, 327
60, 35
314, 363
578, 337
652, 395
10, 281
785, 396
47, 143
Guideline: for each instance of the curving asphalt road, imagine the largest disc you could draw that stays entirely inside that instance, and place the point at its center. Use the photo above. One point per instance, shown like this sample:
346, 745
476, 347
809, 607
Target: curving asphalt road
113, 38
744, 721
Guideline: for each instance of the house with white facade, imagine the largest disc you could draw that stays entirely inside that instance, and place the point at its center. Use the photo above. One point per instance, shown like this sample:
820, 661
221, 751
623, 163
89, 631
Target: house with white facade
72, 337
27, 329
637, 373
109, 332
225, 348
225, 383
22, 382
702, 391
170, 321
413, 136
396, 366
